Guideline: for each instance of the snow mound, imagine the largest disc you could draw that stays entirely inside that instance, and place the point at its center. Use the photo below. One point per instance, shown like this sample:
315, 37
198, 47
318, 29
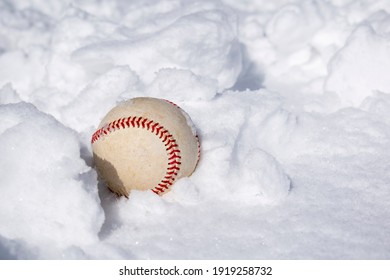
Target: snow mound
46, 192
354, 72
212, 49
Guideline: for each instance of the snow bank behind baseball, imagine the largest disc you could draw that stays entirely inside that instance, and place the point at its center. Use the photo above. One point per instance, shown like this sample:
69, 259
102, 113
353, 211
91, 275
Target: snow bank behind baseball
351, 70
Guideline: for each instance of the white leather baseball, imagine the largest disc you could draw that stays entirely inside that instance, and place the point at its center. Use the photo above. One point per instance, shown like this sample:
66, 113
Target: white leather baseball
145, 144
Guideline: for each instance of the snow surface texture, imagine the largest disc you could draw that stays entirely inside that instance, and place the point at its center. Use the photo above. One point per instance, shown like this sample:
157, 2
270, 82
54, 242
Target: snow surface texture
291, 100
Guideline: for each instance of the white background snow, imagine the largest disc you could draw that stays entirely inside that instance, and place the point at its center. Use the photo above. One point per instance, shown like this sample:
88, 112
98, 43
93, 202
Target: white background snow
291, 100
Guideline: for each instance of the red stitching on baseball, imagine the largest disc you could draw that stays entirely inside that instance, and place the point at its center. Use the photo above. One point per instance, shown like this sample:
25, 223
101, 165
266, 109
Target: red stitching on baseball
143, 123
174, 156
173, 145
158, 130
157, 190
177, 168
173, 151
166, 137
154, 126
148, 124
197, 137
165, 185
174, 104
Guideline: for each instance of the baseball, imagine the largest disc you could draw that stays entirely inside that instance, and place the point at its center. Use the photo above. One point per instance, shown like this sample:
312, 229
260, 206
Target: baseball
145, 144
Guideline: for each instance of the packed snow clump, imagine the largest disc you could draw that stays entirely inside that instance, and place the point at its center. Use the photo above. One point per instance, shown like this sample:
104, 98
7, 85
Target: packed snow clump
46, 192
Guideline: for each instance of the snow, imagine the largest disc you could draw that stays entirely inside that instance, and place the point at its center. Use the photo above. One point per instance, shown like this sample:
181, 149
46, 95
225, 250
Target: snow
290, 99
351, 75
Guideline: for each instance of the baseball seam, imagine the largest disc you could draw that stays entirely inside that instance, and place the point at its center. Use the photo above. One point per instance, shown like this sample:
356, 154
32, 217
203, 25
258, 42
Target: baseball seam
196, 136
171, 146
